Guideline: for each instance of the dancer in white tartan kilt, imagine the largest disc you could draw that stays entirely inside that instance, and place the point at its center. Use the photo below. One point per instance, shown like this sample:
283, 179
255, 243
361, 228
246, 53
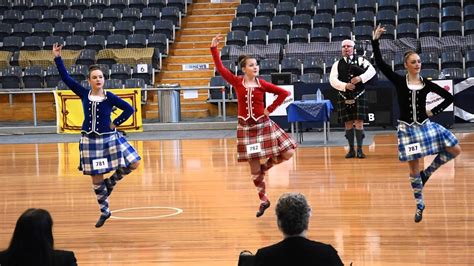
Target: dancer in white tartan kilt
255, 129
417, 135
102, 148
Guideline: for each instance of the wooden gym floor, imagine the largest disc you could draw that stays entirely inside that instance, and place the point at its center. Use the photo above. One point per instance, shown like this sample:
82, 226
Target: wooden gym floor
364, 208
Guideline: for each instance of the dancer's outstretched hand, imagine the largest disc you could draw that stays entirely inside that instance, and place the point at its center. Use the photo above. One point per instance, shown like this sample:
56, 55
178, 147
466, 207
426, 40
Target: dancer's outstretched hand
57, 49
378, 32
216, 40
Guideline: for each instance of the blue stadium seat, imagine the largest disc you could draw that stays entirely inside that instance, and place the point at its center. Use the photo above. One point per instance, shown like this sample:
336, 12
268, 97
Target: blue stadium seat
322, 20
343, 19
123, 27
121, 72
32, 16
83, 28
78, 72
151, 14
261, 23
265, 9
236, 38
103, 28
292, 65
240, 23
278, 36
285, 8
310, 78
302, 21
386, 17
313, 64
72, 15
95, 42
116, 41
451, 28
87, 57
33, 77
256, 37
345, 6
92, 15
407, 4
340, 34
171, 13
406, 30
305, 7
50, 40
387, 5
429, 29
157, 3
281, 22
365, 18
32, 43
407, 16
11, 77
79, 4
140, 4
139, 73
75, 42
299, 35
429, 14
366, 5
429, 3
131, 14
246, 10
268, 66
41, 5
319, 34
22, 30
136, 41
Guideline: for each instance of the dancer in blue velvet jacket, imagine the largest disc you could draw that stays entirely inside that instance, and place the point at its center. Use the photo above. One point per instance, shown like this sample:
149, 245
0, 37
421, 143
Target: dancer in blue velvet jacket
102, 148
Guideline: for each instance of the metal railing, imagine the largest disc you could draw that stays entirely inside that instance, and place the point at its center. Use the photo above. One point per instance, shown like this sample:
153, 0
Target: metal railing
34, 92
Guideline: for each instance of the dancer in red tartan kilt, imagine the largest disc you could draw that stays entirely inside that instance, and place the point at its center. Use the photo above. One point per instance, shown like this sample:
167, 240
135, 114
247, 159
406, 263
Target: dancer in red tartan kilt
258, 137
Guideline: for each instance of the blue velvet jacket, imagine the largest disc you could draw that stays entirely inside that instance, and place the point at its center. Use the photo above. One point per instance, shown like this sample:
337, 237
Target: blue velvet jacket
96, 114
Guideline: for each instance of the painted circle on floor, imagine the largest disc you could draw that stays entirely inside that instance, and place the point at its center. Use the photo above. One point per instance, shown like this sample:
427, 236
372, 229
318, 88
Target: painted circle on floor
173, 211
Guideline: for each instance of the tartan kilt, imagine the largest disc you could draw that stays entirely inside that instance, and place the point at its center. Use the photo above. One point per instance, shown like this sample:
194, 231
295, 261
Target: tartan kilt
112, 147
433, 138
272, 138
357, 111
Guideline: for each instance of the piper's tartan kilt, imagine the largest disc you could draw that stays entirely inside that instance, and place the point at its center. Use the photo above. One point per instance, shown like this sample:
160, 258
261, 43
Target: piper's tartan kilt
356, 111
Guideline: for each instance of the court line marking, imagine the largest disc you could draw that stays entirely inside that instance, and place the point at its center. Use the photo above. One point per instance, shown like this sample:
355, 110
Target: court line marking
177, 211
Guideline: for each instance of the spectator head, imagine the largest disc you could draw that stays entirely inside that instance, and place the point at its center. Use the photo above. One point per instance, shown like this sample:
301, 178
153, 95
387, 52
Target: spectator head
293, 212
32, 238
347, 47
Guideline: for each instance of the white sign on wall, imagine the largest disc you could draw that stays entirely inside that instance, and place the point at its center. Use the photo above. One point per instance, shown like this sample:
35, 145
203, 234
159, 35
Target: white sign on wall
188, 67
281, 110
142, 68
433, 99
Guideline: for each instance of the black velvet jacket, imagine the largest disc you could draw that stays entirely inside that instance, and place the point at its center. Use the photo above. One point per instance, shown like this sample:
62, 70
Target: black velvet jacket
412, 103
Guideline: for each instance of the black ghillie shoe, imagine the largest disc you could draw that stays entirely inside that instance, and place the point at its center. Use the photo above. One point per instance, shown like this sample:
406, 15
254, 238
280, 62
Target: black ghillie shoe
419, 214
102, 219
109, 186
350, 154
360, 154
262, 208
424, 178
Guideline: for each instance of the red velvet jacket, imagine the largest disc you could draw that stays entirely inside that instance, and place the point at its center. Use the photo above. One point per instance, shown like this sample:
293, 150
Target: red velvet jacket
250, 100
